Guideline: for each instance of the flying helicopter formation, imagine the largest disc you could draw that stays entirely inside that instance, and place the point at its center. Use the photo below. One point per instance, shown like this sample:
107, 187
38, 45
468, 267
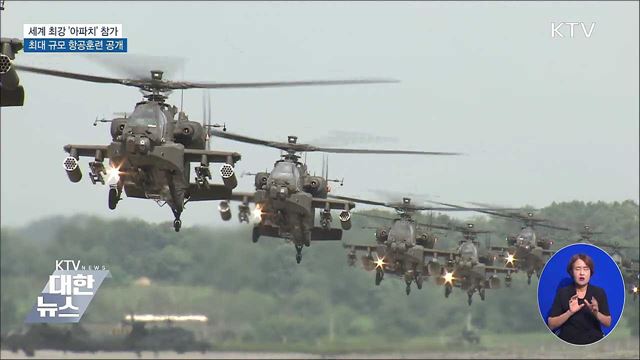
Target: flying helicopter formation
153, 148
526, 250
287, 197
404, 249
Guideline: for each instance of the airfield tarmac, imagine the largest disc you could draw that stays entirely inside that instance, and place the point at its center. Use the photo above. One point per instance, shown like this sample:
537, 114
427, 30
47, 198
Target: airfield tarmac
582, 353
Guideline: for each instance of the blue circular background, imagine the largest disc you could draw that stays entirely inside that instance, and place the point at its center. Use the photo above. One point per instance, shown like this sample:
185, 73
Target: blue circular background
606, 275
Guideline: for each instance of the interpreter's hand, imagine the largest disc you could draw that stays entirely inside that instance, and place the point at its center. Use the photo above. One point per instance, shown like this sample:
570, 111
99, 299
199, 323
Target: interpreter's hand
593, 305
573, 304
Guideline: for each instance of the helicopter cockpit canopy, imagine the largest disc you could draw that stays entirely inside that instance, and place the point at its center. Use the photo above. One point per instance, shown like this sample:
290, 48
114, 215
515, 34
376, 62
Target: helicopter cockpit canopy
527, 238
468, 251
285, 172
150, 116
402, 231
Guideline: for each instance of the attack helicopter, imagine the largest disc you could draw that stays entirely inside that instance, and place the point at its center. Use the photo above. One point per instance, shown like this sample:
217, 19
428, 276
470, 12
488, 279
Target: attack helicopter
286, 198
151, 150
467, 266
615, 249
401, 247
586, 234
629, 268
526, 250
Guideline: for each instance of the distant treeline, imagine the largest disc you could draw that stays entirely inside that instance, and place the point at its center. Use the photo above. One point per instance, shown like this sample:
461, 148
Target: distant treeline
257, 293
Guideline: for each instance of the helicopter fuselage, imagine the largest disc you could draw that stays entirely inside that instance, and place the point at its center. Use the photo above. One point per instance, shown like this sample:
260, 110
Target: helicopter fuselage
285, 197
150, 156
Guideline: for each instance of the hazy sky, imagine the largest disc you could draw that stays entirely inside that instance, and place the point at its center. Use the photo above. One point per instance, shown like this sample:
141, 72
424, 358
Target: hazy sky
540, 119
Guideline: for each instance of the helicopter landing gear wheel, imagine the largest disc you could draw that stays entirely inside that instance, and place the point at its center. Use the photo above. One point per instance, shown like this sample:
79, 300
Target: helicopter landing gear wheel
114, 197
177, 224
307, 238
447, 290
379, 276
298, 253
419, 281
256, 234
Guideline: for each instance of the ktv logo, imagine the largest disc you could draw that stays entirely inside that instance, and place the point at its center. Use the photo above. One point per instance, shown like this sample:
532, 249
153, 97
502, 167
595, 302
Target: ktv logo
68, 293
562, 29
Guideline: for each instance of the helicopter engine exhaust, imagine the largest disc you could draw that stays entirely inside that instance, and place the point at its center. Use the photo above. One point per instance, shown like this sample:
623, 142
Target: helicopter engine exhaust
345, 220
228, 176
72, 168
225, 210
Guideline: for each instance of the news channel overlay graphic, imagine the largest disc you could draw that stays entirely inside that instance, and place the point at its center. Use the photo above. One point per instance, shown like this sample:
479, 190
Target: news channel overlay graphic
68, 293
605, 293
66, 38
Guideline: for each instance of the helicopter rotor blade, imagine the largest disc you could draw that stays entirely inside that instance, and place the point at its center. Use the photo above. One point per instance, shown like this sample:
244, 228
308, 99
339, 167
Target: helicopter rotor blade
481, 210
552, 226
244, 85
137, 66
379, 217
245, 139
349, 138
433, 226
164, 85
362, 201
71, 75
310, 148
497, 212
371, 151
516, 213
399, 205
613, 246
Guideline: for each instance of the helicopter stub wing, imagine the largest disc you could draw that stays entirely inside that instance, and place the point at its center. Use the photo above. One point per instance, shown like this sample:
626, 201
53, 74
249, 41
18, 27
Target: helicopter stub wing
86, 150
367, 248
510, 249
433, 253
320, 203
498, 270
195, 155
